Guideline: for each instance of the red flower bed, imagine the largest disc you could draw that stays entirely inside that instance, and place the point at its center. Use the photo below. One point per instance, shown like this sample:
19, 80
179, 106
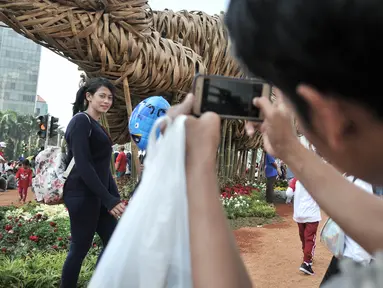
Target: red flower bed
237, 190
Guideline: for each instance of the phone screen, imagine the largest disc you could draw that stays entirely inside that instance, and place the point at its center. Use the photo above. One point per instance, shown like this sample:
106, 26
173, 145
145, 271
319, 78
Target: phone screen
230, 97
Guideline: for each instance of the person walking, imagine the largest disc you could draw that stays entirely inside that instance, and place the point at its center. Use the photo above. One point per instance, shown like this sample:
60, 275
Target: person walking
121, 162
271, 171
24, 176
90, 192
307, 215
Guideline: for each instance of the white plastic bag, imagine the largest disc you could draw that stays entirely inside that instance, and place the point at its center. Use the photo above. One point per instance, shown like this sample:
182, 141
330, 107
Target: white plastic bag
333, 237
150, 247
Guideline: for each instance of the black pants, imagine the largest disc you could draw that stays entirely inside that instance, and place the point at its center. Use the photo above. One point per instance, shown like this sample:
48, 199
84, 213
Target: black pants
87, 216
270, 181
332, 270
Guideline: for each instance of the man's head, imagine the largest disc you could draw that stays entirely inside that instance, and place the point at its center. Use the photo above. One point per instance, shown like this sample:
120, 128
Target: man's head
121, 148
324, 56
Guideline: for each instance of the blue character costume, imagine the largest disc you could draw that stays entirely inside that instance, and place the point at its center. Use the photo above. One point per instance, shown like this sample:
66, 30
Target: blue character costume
143, 118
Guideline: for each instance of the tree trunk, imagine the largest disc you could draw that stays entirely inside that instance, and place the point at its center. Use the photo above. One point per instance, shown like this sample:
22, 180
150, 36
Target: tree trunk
241, 163
228, 150
238, 157
253, 164
261, 170
244, 164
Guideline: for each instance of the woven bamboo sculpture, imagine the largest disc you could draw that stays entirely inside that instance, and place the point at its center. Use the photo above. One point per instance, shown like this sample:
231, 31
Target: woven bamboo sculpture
144, 52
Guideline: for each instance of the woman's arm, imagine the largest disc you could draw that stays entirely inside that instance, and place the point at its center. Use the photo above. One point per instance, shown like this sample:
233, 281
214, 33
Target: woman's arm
358, 213
79, 142
113, 186
216, 261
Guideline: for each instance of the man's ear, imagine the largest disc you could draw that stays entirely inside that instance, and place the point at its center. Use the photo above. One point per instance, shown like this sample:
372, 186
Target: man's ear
327, 119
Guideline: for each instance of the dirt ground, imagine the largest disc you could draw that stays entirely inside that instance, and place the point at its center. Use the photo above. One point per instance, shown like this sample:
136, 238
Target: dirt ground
273, 254
11, 197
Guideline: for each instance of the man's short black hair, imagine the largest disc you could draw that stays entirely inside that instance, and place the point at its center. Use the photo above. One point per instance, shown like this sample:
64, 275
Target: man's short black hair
331, 45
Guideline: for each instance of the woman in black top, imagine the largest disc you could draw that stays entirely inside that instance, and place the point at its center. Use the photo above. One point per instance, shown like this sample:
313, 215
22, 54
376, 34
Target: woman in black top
90, 192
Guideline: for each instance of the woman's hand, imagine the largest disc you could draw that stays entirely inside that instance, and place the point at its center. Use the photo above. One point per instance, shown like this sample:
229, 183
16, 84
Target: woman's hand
118, 210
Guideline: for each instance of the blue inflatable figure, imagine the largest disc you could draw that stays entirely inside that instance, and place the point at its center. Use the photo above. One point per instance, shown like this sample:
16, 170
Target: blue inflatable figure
143, 118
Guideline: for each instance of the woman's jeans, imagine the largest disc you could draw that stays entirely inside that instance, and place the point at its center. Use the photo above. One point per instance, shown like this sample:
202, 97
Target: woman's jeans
87, 216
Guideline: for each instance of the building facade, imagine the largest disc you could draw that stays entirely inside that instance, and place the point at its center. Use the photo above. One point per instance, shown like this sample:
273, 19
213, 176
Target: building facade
19, 71
41, 107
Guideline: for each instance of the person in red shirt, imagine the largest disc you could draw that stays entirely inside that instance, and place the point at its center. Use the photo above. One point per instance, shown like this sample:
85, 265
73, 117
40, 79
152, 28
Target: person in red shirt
121, 162
24, 175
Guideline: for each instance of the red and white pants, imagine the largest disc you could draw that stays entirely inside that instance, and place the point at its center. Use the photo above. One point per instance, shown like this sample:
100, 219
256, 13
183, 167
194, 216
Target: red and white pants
23, 191
307, 233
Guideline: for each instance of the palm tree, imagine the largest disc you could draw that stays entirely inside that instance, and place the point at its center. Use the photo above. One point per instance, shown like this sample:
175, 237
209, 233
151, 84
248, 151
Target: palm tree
15, 129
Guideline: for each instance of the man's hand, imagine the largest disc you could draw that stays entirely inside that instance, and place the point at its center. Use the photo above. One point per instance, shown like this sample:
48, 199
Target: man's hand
279, 134
202, 134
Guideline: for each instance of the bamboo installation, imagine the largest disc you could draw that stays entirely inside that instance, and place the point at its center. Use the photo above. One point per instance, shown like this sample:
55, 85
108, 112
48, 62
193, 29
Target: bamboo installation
143, 52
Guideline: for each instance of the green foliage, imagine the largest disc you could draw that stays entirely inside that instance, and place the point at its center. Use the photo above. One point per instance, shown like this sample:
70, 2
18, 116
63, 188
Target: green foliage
40, 270
126, 186
246, 201
282, 183
14, 130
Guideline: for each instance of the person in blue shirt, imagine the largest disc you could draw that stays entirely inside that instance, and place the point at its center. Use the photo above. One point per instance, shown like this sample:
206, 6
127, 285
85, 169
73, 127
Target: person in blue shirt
271, 172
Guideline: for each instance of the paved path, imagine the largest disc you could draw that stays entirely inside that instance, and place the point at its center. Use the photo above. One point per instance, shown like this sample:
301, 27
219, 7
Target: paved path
273, 254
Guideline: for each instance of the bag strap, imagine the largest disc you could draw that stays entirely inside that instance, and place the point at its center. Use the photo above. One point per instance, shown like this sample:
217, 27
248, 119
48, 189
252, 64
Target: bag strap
90, 122
71, 163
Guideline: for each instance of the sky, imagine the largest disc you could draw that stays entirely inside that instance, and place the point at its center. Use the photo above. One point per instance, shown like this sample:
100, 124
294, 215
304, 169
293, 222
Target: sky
59, 79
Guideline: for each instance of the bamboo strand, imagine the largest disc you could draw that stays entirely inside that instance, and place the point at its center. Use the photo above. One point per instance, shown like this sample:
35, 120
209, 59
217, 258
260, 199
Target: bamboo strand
135, 160
222, 149
232, 164
228, 149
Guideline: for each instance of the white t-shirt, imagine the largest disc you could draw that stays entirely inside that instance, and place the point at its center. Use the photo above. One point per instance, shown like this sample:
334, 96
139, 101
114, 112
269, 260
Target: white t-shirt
306, 210
352, 249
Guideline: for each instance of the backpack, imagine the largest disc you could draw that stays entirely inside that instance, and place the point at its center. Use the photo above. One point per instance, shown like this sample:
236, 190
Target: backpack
51, 174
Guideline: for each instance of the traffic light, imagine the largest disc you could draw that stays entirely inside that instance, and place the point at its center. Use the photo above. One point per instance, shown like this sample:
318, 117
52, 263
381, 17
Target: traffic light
54, 125
42, 121
25, 147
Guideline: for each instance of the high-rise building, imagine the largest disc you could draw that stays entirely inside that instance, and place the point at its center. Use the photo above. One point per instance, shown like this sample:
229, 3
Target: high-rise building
41, 106
19, 71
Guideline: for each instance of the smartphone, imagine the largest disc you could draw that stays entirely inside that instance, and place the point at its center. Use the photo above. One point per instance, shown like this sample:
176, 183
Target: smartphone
229, 97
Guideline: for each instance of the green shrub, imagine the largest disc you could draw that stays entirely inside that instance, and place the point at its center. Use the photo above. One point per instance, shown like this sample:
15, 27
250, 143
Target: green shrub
24, 231
40, 270
282, 183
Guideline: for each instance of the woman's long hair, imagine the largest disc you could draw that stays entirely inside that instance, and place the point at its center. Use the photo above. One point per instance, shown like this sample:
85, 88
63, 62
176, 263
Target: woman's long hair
91, 86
